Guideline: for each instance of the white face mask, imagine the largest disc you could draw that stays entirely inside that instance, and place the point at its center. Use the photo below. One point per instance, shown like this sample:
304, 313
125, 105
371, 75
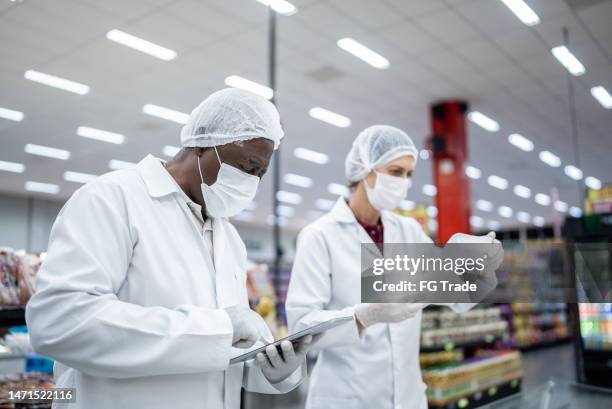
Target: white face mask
231, 193
388, 191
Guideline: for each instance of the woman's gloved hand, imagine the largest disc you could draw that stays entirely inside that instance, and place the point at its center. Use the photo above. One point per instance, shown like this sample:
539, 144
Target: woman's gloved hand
276, 366
370, 314
248, 326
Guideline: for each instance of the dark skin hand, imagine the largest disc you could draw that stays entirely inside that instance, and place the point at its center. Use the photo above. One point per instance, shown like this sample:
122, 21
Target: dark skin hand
252, 157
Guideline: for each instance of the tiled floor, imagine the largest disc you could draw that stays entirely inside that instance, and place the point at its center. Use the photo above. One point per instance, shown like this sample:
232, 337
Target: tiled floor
539, 365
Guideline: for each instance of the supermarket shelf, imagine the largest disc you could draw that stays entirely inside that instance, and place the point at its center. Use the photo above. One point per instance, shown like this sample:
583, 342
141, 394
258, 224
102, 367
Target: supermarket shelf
483, 397
12, 315
486, 342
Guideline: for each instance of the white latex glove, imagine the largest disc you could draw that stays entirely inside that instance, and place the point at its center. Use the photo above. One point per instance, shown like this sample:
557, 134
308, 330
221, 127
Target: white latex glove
495, 255
248, 326
370, 314
277, 367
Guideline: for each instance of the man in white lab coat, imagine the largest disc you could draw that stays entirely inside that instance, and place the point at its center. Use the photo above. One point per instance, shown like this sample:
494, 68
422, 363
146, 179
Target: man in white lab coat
142, 297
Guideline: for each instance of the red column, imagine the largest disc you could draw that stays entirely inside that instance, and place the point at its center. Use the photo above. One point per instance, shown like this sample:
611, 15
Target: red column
449, 146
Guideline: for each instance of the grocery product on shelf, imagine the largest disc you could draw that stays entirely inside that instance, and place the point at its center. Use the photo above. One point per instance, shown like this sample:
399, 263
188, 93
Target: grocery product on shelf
17, 275
24, 382
596, 326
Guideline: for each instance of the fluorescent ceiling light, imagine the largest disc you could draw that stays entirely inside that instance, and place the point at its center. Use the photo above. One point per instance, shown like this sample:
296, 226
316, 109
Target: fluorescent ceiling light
407, 205
330, 117
575, 211
520, 142
573, 172
476, 221
170, 150
522, 191
363, 53
311, 156
504, 211
56, 82
166, 113
424, 154
561, 206
100, 135
522, 11
288, 197
281, 220
280, 6
42, 187
602, 96
115, 164
141, 45
12, 167
297, 180
473, 172
47, 151
593, 182
338, 189
432, 211
78, 177
493, 225
484, 205
483, 121
324, 204
497, 182
285, 211
542, 199
523, 217
568, 60
550, 159
11, 115
539, 221
430, 190
248, 85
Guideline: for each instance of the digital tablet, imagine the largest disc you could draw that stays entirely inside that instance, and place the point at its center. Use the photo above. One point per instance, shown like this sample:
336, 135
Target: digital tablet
294, 338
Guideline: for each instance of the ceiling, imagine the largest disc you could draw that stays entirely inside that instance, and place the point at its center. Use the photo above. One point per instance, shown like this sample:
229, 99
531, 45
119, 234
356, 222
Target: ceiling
476, 50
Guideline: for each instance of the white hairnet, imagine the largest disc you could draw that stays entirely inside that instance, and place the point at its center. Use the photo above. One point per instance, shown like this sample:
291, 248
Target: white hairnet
231, 115
376, 146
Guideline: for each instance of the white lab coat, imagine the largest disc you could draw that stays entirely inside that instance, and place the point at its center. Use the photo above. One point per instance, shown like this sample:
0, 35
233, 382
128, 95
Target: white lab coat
379, 369
129, 303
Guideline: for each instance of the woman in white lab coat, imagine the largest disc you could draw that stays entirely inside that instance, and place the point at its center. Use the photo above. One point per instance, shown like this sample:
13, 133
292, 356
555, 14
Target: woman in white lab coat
374, 362
142, 297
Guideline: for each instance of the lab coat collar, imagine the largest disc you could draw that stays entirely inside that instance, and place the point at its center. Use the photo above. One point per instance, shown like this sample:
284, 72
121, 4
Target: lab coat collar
158, 180
342, 213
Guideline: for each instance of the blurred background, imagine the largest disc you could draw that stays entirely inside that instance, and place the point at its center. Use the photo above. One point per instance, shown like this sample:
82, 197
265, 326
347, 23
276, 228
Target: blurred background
508, 101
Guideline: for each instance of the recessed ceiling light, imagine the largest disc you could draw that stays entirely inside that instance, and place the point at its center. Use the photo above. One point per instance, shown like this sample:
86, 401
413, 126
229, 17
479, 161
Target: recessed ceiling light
523, 217
476, 221
166, 113
141, 45
522, 11
550, 159
504, 211
424, 154
100, 135
539, 221
363, 53
542, 199
12, 167
338, 189
575, 211
568, 60
483, 121
573, 172
237, 81
297, 180
432, 211
473, 172
56, 82
280, 6
170, 150
115, 164
42, 187
602, 96
78, 177
407, 205
329, 117
430, 190
324, 204
561, 206
311, 156
493, 225
520, 142
484, 205
497, 182
46, 151
592, 182
522, 191
288, 197
285, 211
11, 115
